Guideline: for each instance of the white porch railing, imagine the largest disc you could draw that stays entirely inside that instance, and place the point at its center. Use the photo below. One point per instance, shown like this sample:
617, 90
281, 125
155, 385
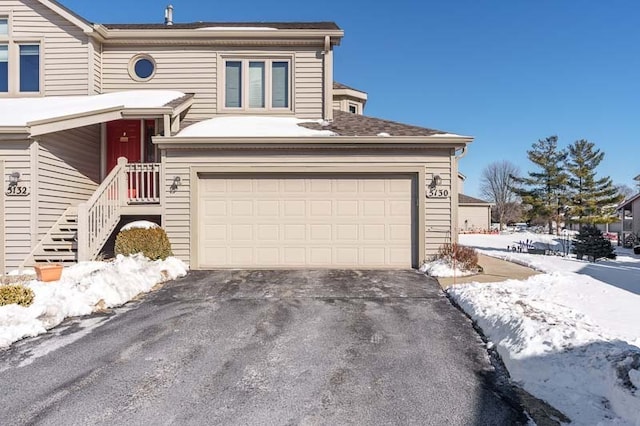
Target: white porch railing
101, 213
143, 183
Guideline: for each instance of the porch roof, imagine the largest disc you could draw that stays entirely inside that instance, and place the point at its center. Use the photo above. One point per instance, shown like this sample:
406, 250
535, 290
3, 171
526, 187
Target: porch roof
628, 202
37, 116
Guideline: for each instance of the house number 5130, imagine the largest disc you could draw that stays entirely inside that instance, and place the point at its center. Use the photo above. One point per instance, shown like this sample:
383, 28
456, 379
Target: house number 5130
437, 193
17, 190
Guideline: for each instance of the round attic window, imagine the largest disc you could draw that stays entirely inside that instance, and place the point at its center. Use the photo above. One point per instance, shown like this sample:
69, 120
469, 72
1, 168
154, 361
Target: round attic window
142, 67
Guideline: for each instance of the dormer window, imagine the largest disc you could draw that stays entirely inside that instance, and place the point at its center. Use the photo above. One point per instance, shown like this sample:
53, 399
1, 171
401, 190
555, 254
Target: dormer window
257, 85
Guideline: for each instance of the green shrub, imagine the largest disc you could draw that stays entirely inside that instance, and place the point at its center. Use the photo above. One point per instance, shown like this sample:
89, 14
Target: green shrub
18, 294
590, 242
152, 243
466, 258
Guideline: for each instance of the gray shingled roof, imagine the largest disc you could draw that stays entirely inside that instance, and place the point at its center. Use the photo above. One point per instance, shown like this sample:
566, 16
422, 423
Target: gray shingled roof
349, 124
179, 101
337, 85
465, 199
196, 25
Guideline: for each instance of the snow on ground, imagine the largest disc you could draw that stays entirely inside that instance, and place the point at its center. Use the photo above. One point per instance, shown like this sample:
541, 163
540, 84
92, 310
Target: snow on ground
442, 269
249, 126
571, 335
20, 111
82, 289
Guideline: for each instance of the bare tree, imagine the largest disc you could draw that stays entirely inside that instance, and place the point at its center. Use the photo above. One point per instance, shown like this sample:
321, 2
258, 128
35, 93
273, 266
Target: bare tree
496, 186
625, 190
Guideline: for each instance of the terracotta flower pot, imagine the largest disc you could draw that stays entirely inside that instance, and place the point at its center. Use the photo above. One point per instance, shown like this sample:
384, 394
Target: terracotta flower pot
49, 272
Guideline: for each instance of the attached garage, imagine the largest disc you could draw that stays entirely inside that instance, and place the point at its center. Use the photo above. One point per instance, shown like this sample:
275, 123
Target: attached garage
306, 220
277, 192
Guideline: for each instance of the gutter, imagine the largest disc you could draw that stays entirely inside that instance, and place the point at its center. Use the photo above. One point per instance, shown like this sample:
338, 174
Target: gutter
212, 36
302, 141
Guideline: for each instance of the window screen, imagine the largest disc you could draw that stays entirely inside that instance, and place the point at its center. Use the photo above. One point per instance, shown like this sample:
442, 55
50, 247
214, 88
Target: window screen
233, 89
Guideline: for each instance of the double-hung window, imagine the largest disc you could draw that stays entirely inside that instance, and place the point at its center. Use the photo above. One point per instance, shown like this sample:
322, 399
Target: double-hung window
4, 54
29, 67
257, 84
20, 62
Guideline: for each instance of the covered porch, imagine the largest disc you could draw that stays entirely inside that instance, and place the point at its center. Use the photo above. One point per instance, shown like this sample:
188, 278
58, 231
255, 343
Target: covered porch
86, 161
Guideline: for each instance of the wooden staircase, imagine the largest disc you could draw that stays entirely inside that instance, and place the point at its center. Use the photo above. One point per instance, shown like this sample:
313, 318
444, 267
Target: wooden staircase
81, 231
60, 244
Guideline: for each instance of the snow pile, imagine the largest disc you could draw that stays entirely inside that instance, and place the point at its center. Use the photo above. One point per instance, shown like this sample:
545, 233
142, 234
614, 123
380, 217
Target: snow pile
554, 352
441, 268
252, 126
21, 111
82, 289
139, 224
570, 336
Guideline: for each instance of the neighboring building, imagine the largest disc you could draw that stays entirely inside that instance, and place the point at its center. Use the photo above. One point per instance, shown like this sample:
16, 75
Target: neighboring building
630, 216
474, 215
225, 133
348, 99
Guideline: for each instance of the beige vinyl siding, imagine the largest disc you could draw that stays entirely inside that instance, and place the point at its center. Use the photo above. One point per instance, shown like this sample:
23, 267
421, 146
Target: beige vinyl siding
193, 69
308, 84
17, 211
439, 214
178, 163
474, 218
63, 46
97, 67
68, 172
187, 69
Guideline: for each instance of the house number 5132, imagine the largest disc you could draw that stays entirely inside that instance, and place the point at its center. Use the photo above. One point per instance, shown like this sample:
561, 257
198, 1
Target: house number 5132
17, 190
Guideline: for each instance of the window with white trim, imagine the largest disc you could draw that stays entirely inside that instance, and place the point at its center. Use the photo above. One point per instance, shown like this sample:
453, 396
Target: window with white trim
4, 26
29, 68
4, 68
257, 84
20, 62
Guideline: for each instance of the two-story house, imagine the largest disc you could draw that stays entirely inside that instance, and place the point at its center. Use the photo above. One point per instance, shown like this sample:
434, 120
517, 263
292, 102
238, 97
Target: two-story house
233, 136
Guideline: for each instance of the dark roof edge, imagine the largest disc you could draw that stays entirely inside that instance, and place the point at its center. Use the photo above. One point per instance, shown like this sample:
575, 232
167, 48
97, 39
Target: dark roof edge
466, 199
300, 25
71, 12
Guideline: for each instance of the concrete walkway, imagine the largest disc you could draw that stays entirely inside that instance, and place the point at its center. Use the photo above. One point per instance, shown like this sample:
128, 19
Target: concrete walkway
495, 270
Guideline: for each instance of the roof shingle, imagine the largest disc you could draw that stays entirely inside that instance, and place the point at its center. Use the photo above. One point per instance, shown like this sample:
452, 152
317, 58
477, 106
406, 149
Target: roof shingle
465, 199
349, 124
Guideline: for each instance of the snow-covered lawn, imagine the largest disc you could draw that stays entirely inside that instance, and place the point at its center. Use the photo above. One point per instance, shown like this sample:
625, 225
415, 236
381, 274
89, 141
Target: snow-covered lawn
83, 289
571, 335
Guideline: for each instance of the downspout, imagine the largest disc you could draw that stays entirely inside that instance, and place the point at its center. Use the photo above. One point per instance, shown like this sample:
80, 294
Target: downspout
454, 200
328, 79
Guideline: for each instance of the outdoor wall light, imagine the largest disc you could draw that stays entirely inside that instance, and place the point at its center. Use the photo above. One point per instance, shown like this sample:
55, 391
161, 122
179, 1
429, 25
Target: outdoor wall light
436, 181
14, 178
174, 184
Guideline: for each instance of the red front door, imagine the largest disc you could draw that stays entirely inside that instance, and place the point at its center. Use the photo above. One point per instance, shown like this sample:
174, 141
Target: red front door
123, 140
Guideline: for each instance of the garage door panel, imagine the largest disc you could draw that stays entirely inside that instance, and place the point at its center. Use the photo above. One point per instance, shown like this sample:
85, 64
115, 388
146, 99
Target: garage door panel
304, 220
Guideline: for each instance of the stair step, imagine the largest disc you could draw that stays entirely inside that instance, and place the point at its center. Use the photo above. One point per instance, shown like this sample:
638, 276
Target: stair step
66, 236
55, 258
68, 228
60, 246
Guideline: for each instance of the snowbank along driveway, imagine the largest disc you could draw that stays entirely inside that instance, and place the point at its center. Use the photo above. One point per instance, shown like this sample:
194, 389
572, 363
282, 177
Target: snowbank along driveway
257, 347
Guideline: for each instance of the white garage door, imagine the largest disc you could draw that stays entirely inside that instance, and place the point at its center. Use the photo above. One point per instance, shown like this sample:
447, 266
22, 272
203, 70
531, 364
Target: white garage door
292, 221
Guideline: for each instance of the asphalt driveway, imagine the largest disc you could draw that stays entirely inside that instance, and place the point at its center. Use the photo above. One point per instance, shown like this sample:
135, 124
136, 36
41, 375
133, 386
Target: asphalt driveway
263, 347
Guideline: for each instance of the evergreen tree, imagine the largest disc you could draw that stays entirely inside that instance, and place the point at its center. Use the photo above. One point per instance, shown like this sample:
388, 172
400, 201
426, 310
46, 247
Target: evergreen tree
544, 189
591, 200
591, 243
